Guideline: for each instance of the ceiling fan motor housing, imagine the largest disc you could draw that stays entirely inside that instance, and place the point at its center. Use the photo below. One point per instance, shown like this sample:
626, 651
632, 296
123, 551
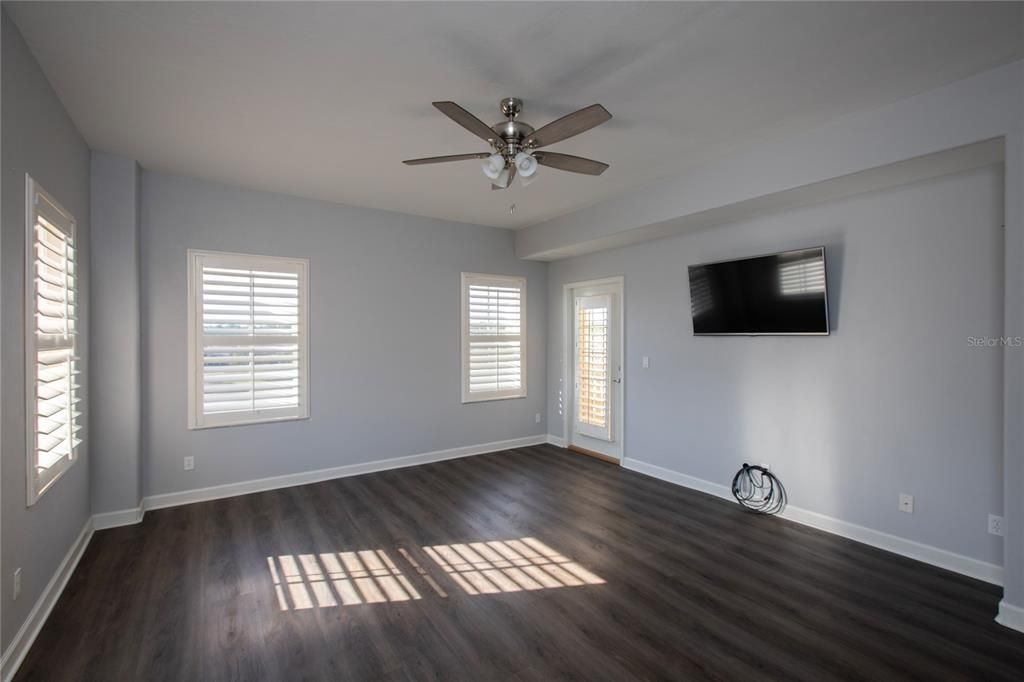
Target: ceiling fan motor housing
513, 133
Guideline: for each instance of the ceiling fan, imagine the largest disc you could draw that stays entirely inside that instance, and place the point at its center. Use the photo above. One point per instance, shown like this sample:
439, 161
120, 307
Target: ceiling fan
515, 146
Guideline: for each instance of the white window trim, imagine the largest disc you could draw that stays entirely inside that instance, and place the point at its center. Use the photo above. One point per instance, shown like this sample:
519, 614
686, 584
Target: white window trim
196, 418
476, 277
36, 486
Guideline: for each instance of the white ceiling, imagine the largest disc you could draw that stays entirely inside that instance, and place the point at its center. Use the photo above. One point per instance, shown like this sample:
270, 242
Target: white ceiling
325, 100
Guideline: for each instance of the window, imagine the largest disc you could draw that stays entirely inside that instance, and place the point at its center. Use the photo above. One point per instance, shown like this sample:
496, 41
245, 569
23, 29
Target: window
53, 392
493, 337
248, 359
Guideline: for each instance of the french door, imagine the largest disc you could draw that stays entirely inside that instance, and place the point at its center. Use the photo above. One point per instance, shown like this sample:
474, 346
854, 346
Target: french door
596, 353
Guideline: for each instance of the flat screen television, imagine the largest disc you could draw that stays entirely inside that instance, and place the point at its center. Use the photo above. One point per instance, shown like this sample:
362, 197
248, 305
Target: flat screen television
783, 293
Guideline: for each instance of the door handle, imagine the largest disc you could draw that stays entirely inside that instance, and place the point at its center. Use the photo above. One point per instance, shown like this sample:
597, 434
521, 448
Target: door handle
617, 381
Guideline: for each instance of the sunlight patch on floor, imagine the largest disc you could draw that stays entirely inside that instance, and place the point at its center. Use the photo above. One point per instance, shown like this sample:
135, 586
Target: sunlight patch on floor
332, 579
306, 581
508, 566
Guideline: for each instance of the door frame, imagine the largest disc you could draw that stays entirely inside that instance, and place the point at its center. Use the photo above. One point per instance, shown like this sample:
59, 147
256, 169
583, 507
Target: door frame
569, 394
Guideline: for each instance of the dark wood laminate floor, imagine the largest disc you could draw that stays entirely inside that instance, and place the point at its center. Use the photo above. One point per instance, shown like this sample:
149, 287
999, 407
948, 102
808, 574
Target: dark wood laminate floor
582, 570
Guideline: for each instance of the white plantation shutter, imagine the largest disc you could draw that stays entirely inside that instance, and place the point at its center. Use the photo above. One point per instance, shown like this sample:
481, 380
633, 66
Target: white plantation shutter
593, 378
248, 339
52, 375
493, 337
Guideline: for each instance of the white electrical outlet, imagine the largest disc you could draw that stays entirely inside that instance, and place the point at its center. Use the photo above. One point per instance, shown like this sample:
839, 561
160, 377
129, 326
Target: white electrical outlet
906, 503
646, 362
17, 583
190, 463
995, 525
536, 418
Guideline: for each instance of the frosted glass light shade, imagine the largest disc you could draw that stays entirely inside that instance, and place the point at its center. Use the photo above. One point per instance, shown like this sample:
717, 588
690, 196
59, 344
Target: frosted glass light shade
493, 165
525, 164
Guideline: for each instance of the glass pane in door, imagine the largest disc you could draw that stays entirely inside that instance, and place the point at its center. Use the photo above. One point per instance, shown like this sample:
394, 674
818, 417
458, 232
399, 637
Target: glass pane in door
593, 377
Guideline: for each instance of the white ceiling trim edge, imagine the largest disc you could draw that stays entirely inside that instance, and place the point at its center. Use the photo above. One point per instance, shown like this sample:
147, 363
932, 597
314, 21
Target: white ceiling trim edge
937, 132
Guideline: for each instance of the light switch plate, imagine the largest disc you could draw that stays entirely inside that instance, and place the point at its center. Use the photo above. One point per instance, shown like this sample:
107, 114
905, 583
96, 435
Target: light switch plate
906, 503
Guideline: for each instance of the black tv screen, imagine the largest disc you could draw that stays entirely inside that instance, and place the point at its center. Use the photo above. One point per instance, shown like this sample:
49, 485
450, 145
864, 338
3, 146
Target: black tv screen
784, 293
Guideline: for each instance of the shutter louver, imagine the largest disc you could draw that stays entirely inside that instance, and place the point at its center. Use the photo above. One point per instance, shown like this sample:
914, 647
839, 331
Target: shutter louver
493, 337
592, 366
58, 419
56, 422
251, 353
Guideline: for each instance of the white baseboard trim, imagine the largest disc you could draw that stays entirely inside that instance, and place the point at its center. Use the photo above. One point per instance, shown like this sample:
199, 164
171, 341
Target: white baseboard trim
958, 563
556, 440
29, 630
1011, 616
951, 561
289, 480
679, 479
124, 517
129, 516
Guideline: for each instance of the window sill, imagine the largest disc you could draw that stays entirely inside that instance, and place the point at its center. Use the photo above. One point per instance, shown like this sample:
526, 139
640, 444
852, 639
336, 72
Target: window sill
490, 398
62, 468
247, 422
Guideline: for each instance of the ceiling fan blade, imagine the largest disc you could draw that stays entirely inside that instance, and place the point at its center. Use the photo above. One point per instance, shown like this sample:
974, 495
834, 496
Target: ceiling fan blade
569, 125
568, 162
445, 159
466, 120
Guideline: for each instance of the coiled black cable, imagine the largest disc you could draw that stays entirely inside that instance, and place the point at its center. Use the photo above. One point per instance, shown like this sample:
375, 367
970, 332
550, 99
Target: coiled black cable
758, 490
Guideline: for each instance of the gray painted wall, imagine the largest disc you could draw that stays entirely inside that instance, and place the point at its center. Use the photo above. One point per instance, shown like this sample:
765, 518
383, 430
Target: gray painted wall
895, 400
384, 333
37, 138
1013, 372
115, 421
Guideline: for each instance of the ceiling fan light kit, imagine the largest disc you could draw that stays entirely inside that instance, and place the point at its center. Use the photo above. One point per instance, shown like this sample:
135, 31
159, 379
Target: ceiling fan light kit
493, 165
526, 165
514, 143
